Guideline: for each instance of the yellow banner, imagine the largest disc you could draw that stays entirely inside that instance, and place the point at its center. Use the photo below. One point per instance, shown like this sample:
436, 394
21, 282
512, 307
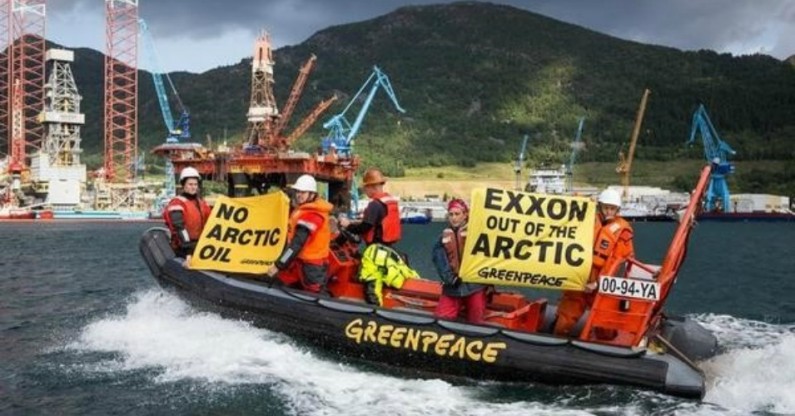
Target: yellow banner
533, 240
244, 235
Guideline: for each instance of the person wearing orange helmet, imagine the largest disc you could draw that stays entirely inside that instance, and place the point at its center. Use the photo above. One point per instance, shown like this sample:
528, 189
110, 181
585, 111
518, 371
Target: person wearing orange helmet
447, 254
305, 257
381, 220
186, 214
612, 245
380, 228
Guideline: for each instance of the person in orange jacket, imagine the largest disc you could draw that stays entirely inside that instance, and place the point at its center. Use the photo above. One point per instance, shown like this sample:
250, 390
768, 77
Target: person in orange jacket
612, 244
305, 257
186, 214
381, 220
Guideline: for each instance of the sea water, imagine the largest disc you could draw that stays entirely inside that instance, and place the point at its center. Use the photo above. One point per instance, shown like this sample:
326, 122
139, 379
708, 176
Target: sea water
84, 329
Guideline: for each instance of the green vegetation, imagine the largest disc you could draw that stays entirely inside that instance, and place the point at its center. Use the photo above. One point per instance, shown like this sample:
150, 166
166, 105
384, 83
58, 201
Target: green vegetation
474, 77
751, 176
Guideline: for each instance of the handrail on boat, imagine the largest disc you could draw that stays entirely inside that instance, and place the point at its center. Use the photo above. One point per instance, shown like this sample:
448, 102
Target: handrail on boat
619, 321
678, 248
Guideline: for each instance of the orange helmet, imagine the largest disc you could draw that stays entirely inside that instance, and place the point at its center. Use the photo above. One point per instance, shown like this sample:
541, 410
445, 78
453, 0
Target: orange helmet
373, 176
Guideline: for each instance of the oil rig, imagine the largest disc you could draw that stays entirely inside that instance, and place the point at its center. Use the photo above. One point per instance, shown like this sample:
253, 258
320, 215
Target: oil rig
266, 158
40, 120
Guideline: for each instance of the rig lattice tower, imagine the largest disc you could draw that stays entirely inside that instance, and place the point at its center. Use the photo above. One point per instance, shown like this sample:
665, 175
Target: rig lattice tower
121, 89
262, 110
22, 33
61, 117
6, 81
121, 109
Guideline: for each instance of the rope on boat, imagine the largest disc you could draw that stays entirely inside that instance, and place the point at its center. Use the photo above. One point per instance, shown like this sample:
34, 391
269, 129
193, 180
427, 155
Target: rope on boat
679, 354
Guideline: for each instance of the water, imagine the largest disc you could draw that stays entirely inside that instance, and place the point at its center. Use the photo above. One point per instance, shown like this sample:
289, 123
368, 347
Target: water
85, 330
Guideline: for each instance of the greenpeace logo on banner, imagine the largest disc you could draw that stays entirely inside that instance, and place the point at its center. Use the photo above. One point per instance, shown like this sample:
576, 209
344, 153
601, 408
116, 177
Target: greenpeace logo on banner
243, 235
517, 276
525, 239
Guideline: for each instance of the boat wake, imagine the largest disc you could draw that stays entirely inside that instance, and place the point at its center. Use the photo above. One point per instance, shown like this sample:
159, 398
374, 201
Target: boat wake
756, 372
161, 335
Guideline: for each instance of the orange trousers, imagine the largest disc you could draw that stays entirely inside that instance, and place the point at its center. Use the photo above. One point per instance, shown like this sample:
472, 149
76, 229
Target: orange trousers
571, 307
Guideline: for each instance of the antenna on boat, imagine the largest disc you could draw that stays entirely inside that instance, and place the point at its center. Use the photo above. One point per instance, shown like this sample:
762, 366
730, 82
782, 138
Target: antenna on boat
517, 167
625, 161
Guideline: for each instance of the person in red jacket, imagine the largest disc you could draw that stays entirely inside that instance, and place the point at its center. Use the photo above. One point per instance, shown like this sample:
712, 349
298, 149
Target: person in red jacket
447, 254
186, 214
381, 220
305, 257
612, 245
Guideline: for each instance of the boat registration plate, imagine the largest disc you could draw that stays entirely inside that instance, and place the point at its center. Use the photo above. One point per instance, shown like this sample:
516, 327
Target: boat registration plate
631, 288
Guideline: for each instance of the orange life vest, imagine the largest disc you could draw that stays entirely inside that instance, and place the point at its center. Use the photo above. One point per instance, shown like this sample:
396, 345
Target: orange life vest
390, 224
316, 249
453, 242
194, 214
613, 242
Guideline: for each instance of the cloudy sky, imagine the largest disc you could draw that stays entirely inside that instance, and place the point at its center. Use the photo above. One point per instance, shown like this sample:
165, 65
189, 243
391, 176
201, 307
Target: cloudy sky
197, 35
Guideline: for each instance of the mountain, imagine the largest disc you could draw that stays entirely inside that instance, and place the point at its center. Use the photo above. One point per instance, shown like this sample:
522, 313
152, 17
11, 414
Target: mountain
473, 77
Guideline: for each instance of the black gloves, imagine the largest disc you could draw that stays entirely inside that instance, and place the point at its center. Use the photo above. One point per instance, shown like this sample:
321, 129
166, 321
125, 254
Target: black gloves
189, 246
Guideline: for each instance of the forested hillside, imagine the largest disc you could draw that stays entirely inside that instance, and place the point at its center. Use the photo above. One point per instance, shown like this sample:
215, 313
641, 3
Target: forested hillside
474, 77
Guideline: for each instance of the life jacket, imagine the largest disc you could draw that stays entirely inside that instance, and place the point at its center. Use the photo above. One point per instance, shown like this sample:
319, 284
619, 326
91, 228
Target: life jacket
316, 249
382, 265
613, 242
390, 224
453, 242
194, 214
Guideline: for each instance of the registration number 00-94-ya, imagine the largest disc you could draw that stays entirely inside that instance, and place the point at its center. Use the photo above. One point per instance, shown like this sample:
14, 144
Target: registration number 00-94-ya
639, 289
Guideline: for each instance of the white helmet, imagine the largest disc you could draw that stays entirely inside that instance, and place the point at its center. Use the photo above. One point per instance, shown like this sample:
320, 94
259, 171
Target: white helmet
189, 172
305, 183
610, 197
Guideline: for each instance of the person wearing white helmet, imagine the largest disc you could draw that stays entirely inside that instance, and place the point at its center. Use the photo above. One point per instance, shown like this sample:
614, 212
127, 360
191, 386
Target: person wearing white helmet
186, 214
305, 257
612, 245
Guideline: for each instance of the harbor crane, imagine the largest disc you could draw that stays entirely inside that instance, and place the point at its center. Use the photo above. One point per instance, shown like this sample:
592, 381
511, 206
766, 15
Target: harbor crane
576, 146
624, 167
519, 164
177, 131
342, 132
717, 153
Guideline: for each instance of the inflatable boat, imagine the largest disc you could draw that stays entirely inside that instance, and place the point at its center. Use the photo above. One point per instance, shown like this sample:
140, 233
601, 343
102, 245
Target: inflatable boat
652, 350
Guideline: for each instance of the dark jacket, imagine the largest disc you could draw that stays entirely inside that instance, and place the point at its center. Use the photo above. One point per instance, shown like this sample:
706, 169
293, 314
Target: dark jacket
448, 277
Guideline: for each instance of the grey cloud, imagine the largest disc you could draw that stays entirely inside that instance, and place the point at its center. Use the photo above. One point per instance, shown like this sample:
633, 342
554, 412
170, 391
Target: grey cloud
684, 24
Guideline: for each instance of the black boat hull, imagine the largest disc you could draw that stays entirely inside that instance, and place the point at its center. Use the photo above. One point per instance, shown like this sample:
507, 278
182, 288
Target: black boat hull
420, 343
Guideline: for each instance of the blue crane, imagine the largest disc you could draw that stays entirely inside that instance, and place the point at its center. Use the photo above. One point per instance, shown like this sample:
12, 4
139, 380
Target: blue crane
519, 164
178, 131
342, 132
717, 153
575, 148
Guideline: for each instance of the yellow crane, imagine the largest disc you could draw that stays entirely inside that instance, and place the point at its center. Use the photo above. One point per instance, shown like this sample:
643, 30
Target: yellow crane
624, 167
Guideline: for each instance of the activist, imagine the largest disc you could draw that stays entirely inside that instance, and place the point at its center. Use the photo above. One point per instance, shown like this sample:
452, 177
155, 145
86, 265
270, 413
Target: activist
186, 214
612, 245
447, 253
379, 227
304, 259
381, 220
